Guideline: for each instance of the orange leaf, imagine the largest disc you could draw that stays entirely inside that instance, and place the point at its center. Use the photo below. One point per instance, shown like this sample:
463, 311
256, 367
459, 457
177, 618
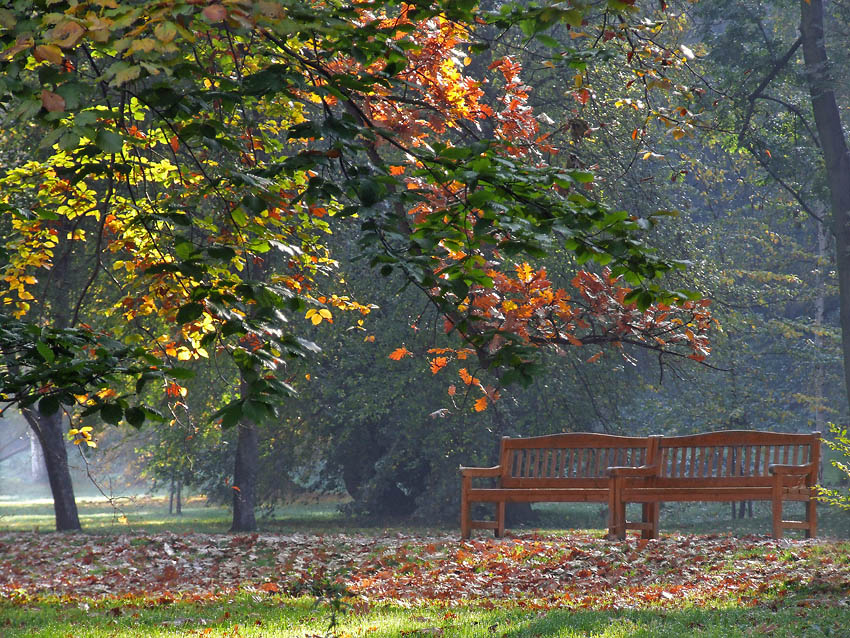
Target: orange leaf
400, 353
438, 364
524, 272
396, 170
595, 358
174, 142
573, 340
452, 390
481, 404
468, 379
634, 134
235, 487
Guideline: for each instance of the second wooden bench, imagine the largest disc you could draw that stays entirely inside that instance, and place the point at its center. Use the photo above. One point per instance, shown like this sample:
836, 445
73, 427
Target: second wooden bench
732, 465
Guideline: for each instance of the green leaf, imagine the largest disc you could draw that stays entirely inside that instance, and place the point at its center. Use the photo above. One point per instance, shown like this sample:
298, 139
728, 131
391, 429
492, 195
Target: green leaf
48, 405
111, 413
135, 416
109, 141
189, 312
548, 41
45, 351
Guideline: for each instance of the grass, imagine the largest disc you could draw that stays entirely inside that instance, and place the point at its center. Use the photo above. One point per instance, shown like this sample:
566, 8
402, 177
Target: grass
248, 615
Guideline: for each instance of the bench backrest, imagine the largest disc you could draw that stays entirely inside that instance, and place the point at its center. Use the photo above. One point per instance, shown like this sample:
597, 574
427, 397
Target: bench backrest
733, 457
573, 459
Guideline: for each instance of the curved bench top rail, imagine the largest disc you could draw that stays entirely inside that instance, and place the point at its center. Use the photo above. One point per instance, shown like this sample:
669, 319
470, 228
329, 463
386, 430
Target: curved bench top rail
574, 440
729, 438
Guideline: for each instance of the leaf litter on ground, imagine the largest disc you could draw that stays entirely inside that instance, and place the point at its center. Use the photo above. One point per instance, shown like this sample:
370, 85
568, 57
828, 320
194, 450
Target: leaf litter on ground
577, 570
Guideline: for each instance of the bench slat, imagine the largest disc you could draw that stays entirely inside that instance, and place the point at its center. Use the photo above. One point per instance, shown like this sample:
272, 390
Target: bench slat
540, 495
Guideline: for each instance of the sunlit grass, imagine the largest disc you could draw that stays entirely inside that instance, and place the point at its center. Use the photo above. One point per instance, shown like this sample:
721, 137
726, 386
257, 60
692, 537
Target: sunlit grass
250, 615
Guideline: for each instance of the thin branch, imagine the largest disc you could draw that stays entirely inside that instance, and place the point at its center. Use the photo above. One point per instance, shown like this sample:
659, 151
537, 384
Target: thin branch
777, 67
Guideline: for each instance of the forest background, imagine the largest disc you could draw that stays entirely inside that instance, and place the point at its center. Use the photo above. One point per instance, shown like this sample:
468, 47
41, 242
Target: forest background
695, 118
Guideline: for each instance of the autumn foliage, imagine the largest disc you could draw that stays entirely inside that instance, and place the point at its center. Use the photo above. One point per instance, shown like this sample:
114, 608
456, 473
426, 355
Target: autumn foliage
199, 153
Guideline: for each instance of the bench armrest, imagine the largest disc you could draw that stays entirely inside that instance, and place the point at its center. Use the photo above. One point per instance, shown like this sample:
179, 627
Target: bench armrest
796, 470
481, 471
642, 470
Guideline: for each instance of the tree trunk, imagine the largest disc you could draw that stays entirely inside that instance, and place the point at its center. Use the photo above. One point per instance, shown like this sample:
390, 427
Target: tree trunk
835, 155
38, 472
51, 436
818, 416
245, 479
179, 497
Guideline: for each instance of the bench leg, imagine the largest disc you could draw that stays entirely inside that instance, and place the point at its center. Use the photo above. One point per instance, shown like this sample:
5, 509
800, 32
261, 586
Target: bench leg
612, 512
616, 510
648, 516
777, 507
500, 520
812, 518
465, 523
653, 511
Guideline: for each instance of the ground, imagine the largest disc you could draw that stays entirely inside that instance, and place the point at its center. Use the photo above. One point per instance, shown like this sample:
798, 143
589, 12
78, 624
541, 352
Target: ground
303, 583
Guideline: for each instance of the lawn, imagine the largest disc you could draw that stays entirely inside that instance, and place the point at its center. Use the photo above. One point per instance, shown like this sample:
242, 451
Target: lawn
305, 575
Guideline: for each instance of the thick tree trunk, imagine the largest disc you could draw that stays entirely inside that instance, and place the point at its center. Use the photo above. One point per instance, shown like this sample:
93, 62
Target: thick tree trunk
245, 479
245, 474
835, 155
51, 436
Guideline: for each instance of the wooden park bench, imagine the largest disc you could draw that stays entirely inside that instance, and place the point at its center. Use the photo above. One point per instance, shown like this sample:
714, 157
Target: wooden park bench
720, 466
570, 467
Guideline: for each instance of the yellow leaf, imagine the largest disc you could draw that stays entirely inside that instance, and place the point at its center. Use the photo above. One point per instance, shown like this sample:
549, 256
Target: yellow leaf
21, 44
50, 53
145, 45
165, 31
325, 313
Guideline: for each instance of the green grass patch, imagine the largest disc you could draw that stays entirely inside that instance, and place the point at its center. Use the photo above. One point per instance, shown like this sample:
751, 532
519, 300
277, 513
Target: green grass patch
252, 615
